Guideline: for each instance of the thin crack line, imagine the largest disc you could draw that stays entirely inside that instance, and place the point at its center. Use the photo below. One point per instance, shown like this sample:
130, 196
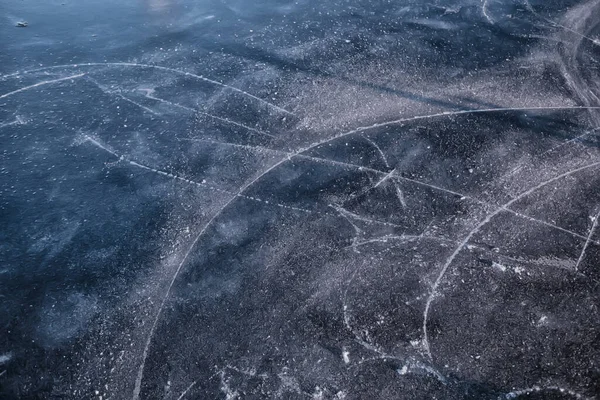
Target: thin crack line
187, 390
119, 95
151, 111
484, 10
399, 192
194, 110
23, 89
587, 242
189, 181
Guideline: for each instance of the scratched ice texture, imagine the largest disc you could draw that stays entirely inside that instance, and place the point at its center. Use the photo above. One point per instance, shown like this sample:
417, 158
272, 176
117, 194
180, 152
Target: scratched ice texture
274, 199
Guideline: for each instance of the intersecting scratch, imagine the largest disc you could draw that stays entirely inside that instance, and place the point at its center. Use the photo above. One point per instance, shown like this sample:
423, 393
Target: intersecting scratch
588, 240
385, 178
158, 67
357, 230
388, 175
289, 155
242, 190
368, 345
152, 321
556, 24
18, 121
468, 237
23, 89
239, 194
370, 221
399, 192
360, 129
118, 94
439, 188
350, 216
401, 238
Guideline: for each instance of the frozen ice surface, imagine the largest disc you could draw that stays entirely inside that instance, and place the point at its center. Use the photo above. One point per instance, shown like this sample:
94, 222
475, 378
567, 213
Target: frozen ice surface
300, 199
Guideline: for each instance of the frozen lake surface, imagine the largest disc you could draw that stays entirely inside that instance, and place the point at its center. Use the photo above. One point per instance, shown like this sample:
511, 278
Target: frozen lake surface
345, 199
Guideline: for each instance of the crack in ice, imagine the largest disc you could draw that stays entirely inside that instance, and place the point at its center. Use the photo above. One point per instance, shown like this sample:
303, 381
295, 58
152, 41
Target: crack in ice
23, 89
189, 181
399, 192
187, 390
194, 110
18, 121
588, 240
361, 218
